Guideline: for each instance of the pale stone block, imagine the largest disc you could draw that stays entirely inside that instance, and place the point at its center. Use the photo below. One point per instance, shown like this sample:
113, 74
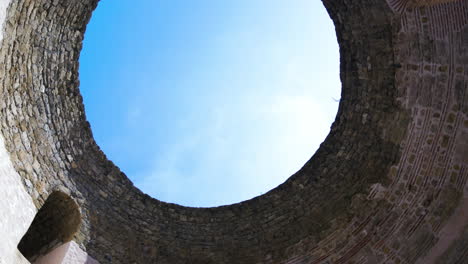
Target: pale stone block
68, 253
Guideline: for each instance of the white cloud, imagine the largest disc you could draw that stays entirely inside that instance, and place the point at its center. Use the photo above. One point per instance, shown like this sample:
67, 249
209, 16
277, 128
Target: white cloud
248, 143
223, 160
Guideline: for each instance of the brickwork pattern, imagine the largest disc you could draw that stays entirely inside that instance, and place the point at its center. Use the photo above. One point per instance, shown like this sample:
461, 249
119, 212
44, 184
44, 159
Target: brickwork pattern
402, 5
381, 188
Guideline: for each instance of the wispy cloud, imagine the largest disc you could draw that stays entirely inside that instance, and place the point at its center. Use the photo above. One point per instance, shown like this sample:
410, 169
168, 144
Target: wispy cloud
224, 160
220, 102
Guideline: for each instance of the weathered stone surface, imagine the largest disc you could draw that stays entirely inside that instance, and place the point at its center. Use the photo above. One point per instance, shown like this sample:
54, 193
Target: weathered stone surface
68, 253
16, 207
385, 187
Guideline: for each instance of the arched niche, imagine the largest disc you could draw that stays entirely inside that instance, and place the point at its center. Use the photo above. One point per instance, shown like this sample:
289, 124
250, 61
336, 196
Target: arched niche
54, 224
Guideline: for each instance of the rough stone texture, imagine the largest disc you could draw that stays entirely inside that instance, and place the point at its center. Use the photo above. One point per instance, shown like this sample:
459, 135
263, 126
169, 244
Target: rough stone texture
16, 207
385, 186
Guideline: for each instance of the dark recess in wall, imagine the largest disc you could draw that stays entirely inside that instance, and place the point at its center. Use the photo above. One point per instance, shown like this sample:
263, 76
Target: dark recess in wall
54, 224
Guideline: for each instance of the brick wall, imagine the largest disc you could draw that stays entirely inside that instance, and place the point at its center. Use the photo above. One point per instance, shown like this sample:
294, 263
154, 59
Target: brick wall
381, 188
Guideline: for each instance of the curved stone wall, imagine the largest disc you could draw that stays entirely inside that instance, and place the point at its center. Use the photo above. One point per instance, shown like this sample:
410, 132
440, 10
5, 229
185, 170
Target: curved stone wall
388, 185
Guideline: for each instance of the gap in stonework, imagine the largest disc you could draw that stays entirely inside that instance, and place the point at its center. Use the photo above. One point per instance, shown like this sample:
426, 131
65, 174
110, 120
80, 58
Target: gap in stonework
206, 103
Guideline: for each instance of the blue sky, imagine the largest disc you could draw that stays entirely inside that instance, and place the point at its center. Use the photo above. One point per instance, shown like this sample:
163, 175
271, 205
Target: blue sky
205, 103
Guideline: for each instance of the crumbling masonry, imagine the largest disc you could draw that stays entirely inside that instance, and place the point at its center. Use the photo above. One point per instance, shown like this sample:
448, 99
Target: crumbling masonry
388, 185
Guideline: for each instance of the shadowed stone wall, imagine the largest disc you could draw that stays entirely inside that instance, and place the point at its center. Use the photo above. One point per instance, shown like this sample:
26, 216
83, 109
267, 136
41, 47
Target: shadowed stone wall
388, 185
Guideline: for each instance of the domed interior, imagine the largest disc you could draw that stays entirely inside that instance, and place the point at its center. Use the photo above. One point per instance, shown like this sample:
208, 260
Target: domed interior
388, 185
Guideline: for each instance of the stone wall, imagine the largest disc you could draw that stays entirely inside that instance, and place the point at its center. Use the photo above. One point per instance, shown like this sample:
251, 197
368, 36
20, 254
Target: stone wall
388, 185
16, 207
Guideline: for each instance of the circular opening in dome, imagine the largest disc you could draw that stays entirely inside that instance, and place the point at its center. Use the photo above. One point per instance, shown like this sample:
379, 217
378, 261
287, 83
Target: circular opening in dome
210, 103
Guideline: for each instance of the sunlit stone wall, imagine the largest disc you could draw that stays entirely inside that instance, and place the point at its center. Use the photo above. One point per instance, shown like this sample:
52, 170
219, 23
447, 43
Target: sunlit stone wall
16, 207
68, 253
